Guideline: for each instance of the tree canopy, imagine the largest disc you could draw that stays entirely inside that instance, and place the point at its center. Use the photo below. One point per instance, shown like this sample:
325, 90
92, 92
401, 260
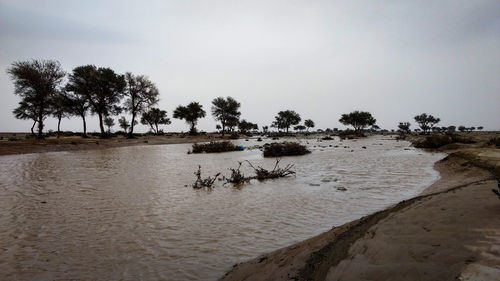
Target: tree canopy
426, 122
308, 123
141, 94
404, 127
285, 119
358, 120
226, 111
155, 117
190, 113
102, 87
36, 82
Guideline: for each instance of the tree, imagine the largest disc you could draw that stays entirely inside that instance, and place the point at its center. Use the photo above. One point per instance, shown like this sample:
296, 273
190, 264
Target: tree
78, 105
102, 87
309, 124
426, 122
231, 123
462, 128
286, 118
109, 122
36, 82
23, 111
358, 120
246, 126
60, 109
155, 117
299, 128
190, 113
480, 128
141, 94
452, 128
124, 124
404, 127
265, 129
225, 110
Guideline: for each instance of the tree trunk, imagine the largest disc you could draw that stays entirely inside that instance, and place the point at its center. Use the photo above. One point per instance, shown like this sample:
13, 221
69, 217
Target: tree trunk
101, 126
33, 127
223, 128
193, 130
40, 124
84, 126
131, 132
59, 126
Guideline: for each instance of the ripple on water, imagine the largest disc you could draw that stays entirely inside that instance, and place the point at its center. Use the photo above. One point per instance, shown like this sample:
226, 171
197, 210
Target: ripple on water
125, 213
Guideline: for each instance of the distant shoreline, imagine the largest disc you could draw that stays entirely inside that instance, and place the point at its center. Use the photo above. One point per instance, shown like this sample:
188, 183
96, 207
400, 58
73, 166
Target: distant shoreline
74, 143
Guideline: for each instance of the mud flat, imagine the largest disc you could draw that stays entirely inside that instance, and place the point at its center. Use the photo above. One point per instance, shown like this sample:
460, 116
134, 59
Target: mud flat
450, 232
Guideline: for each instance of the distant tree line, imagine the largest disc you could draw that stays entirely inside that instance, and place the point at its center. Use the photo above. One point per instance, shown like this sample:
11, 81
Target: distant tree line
428, 123
46, 90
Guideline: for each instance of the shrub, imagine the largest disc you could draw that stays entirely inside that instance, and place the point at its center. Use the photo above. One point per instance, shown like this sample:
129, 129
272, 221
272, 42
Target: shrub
234, 136
434, 141
212, 147
494, 141
284, 149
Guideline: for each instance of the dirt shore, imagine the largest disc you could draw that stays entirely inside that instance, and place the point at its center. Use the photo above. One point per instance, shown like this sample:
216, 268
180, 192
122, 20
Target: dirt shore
450, 232
78, 143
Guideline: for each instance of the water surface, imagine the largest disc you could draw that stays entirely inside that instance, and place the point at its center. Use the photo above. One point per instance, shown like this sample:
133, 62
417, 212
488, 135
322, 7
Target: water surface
129, 214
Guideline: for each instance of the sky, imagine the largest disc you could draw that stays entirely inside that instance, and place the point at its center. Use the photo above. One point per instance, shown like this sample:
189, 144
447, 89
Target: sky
395, 59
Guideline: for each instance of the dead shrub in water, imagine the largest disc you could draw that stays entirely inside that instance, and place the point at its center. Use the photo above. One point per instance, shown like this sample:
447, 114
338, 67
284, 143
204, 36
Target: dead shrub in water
284, 149
214, 146
276, 172
237, 177
206, 182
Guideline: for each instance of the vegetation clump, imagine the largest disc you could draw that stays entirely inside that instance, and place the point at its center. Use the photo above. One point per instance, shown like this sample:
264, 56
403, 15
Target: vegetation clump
495, 142
237, 177
284, 149
434, 141
214, 147
204, 182
276, 172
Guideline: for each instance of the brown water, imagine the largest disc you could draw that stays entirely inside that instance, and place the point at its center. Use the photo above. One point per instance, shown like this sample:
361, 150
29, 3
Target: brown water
126, 213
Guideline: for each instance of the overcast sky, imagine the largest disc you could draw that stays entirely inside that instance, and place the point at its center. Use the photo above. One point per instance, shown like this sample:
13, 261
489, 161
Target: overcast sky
395, 59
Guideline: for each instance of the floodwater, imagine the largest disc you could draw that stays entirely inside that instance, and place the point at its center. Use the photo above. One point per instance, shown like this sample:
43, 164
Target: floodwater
130, 214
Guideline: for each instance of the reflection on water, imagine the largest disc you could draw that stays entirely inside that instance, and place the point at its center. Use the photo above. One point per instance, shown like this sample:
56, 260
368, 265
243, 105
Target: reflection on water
126, 213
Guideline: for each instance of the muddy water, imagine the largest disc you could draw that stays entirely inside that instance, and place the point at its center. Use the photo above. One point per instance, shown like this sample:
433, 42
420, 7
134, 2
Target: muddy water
127, 214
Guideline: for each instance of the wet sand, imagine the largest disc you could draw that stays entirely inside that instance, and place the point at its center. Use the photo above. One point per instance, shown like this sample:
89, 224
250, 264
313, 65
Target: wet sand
450, 232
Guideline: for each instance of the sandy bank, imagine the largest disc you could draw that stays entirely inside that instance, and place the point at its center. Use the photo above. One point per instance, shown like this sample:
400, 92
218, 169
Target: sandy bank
78, 143
450, 232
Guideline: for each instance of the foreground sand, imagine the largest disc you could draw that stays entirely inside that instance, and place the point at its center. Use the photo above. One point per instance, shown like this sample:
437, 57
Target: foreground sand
450, 232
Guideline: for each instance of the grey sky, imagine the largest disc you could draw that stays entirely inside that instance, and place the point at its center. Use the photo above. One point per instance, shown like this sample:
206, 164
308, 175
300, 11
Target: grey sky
395, 59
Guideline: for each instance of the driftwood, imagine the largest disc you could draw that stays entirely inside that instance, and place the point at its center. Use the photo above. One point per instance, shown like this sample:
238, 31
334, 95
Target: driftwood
276, 172
206, 182
237, 177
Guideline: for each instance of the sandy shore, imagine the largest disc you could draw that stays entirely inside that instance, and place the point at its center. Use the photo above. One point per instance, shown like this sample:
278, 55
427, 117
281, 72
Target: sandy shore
450, 232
